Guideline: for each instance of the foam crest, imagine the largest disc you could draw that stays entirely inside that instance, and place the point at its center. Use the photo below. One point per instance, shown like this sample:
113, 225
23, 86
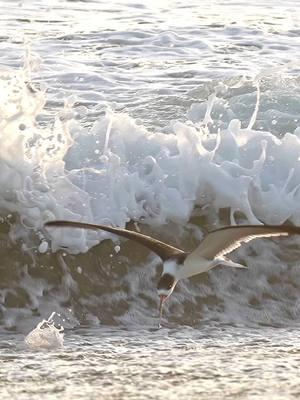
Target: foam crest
122, 171
162, 177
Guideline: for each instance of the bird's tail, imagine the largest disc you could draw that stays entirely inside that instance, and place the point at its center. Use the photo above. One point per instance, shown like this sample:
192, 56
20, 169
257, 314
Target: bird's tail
228, 263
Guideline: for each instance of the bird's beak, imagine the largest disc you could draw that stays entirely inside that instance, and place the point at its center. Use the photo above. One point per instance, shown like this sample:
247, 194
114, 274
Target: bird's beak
162, 298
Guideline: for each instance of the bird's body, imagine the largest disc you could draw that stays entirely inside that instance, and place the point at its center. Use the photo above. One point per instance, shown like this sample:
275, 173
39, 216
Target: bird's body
178, 264
193, 267
188, 268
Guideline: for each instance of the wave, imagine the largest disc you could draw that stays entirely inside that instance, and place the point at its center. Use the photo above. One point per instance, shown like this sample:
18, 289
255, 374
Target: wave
235, 158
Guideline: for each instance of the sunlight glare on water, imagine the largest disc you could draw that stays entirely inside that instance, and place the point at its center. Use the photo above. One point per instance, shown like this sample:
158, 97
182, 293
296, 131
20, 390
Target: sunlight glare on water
109, 363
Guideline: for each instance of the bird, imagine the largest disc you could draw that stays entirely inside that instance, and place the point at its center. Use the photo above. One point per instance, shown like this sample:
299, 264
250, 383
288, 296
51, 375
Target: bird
179, 264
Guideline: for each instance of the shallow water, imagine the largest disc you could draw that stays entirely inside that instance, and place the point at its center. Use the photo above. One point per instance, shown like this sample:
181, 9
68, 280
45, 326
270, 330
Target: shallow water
179, 118
112, 363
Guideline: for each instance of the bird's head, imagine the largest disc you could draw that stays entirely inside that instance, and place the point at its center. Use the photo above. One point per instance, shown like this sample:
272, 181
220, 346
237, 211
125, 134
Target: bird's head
167, 283
165, 286
168, 279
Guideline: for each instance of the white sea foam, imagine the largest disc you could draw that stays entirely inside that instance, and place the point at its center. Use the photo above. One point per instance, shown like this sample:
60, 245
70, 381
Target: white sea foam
46, 335
123, 171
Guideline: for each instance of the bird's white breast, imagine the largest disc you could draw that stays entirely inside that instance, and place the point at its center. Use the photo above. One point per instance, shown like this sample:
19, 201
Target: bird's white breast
170, 267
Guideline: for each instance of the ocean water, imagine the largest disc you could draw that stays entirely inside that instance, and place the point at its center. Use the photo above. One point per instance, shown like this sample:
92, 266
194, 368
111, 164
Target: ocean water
173, 119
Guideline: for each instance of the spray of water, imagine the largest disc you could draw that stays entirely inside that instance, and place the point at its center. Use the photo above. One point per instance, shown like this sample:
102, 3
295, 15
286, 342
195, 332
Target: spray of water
46, 335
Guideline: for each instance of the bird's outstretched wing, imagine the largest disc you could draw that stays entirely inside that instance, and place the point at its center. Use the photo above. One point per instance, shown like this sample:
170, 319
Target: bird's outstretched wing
163, 250
222, 241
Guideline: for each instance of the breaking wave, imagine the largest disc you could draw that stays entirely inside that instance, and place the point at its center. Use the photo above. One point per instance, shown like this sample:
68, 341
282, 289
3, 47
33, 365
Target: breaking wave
235, 158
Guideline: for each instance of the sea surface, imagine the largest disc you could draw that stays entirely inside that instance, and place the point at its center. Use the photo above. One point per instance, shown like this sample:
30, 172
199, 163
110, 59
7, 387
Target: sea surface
172, 118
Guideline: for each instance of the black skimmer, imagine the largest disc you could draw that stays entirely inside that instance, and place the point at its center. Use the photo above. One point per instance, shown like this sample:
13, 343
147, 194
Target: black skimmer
178, 264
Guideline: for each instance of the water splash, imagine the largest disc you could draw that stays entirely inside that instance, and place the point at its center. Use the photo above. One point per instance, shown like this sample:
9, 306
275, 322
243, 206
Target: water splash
118, 170
46, 335
121, 171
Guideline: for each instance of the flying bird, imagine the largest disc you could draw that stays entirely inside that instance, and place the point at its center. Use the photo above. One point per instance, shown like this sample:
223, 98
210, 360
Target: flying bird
178, 264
